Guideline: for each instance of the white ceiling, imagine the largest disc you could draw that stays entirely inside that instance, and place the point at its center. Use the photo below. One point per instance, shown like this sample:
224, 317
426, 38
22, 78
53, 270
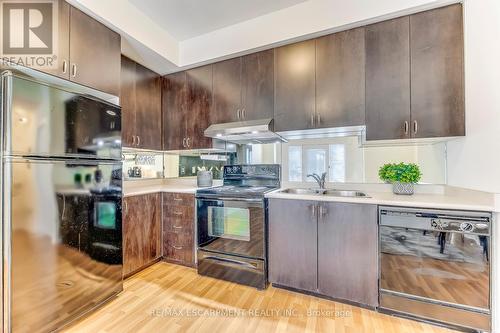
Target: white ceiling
185, 19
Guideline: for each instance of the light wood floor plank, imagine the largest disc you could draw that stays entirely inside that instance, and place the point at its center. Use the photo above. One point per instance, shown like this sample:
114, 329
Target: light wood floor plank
172, 298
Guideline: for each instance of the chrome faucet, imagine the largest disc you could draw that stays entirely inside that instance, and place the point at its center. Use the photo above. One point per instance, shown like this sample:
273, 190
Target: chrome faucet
319, 179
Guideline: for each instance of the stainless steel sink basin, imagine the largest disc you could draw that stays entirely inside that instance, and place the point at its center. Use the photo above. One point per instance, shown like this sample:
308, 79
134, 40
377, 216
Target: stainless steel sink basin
326, 192
302, 191
345, 193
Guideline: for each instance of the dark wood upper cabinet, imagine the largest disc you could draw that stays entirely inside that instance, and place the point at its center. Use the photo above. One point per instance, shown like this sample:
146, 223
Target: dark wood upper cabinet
340, 79
62, 69
347, 252
187, 108
199, 106
226, 91
95, 53
388, 79
141, 231
257, 96
437, 73
148, 108
128, 101
140, 99
174, 108
295, 87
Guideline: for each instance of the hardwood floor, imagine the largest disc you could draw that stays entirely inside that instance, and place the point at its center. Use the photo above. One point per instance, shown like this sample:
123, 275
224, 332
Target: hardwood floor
173, 298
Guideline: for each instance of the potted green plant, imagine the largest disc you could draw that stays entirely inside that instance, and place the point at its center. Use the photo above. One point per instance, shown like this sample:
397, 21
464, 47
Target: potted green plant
402, 176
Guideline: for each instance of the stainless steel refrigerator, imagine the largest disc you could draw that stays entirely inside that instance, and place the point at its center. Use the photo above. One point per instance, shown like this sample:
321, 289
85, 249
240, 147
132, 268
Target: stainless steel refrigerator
61, 191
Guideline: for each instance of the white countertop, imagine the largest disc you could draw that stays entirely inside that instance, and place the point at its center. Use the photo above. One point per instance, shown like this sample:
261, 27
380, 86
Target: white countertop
138, 187
447, 198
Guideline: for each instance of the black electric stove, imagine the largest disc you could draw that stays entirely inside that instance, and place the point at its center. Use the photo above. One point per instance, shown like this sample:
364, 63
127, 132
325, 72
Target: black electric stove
232, 224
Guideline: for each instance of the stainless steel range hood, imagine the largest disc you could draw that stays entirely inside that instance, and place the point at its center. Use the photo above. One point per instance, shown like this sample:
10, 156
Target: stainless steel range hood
245, 132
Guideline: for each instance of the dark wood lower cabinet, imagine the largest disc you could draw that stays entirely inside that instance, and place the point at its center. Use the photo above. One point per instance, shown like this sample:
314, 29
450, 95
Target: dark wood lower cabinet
347, 252
325, 248
141, 231
293, 255
178, 228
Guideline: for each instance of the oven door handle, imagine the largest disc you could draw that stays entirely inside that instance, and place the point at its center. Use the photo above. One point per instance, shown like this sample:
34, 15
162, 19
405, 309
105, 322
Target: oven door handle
259, 200
231, 261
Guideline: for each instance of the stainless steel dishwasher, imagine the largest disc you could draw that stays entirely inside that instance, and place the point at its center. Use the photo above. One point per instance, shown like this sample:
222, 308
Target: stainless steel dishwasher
435, 265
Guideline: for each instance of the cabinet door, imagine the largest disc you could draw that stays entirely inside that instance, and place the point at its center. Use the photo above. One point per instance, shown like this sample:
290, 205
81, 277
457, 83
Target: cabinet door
437, 73
293, 244
95, 53
128, 101
62, 69
227, 91
174, 109
141, 231
199, 105
388, 80
348, 252
258, 85
295, 77
340, 79
148, 108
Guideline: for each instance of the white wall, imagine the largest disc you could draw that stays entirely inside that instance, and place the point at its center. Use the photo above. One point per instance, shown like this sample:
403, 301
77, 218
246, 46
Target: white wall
474, 161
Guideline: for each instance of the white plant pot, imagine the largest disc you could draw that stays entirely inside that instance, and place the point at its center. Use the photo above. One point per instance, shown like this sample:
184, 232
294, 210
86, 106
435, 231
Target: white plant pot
402, 188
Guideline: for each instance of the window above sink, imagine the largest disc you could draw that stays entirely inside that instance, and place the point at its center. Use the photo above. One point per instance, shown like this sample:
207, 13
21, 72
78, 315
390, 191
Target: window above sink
345, 160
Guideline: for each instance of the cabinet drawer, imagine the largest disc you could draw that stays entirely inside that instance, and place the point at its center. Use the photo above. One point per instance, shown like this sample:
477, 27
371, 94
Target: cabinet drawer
179, 254
179, 212
178, 199
184, 239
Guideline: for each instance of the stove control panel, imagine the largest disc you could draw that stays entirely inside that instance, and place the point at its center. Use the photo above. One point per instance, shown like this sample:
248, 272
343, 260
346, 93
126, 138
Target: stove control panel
252, 171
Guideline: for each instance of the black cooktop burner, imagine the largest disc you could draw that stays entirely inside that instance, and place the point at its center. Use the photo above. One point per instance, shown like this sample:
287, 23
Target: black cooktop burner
244, 181
236, 191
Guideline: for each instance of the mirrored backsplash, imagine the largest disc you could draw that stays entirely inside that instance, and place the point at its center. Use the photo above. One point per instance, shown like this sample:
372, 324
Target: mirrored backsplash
344, 159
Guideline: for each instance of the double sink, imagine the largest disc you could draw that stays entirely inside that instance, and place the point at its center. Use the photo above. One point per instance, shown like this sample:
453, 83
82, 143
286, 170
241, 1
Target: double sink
326, 192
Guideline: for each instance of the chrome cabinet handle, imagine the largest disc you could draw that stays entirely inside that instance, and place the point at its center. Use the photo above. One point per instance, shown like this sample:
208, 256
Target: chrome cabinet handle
319, 119
187, 142
126, 206
64, 66
312, 119
133, 140
177, 213
238, 114
243, 113
177, 247
313, 210
177, 199
407, 127
138, 140
184, 142
73, 70
177, 227
415, 127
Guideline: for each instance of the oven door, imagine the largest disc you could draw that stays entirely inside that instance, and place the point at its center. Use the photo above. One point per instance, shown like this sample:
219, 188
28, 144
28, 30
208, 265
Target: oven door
445, 267
234, 226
